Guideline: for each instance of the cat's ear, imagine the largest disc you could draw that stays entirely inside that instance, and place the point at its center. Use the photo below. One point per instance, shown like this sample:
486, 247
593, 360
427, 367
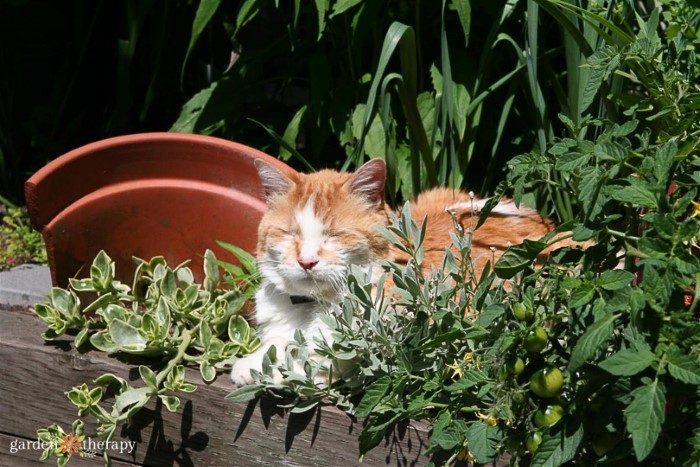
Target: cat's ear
274, 181
368, 181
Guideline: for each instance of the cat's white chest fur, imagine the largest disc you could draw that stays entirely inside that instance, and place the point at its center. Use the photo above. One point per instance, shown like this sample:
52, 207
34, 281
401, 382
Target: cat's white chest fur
278, 318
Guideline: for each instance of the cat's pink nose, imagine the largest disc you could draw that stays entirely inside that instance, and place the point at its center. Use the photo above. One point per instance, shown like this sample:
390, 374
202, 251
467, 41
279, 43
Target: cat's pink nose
308, 262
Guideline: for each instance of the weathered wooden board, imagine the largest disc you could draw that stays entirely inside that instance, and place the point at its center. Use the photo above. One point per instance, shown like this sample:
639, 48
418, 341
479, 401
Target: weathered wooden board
206, 431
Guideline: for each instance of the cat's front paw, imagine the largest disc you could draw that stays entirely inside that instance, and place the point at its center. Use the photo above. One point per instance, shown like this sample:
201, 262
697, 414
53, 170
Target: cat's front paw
241, 374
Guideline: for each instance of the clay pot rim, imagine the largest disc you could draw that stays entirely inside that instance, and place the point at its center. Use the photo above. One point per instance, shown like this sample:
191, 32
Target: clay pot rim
151, 137
142, 185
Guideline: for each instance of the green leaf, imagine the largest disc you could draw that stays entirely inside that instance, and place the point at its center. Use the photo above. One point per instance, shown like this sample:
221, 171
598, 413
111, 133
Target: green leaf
82, 337
664, 161
238, 329
615, 279
572, 161
211, 271
628, 362
110, 379
63, 301
192, 110
469, 379
373, 395
373, 433
245, 393
305, 405
101, 270
208, 371
464, 11
582, 295
101, 340
168, 285
343, 5
205, 12
636, 193
517, 258
247, 260
148, 377
172, 403
602, 62
81, 285
246, 13
452, 435
591, 181
683, 367
291, 132
559, 444
489, 314
130, 397
645, 415
126, 336
321, 8
593, 339
480, 439
162, 317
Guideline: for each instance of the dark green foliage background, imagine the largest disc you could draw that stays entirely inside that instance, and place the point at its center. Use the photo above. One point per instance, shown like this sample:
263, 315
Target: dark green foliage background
79, 71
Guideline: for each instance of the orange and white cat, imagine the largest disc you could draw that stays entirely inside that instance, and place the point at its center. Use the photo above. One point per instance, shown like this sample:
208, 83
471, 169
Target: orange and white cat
319, 224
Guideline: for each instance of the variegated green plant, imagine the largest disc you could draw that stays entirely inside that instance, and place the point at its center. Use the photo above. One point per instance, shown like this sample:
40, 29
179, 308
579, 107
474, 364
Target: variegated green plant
164, 315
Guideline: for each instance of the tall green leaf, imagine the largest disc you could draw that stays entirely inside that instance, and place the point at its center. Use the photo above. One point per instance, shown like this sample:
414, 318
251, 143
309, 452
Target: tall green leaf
644, 415
593, 339
205, 12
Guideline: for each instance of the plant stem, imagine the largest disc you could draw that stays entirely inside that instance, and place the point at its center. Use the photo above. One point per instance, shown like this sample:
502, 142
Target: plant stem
179, 356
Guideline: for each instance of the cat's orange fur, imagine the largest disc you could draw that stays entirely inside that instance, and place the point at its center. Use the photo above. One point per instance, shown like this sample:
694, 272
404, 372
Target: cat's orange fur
504, 227
319, 224
351, 218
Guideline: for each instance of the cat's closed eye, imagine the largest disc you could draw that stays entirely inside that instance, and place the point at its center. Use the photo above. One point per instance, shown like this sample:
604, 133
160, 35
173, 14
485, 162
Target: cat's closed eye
285, 232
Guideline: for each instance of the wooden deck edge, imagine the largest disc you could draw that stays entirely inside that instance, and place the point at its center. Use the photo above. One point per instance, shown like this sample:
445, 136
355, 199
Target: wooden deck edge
206, 430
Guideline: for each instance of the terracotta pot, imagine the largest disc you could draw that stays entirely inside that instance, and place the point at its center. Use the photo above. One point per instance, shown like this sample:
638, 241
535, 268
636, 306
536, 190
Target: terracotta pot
145, 195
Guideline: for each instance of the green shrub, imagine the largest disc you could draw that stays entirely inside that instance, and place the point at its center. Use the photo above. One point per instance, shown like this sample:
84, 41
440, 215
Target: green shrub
19, 242
608, 337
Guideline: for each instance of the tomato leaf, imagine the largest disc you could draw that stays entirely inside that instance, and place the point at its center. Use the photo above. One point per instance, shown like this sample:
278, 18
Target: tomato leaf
372, 396
628, 362
517, 257
594, 337
683, 367
615, 279
644, 415
559, 445
481, 439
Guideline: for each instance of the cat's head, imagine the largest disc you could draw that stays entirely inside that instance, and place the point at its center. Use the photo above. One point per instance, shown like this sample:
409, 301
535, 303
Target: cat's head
317, 225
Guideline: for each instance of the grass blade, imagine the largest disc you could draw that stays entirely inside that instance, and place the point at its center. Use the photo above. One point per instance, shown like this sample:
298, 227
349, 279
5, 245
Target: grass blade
205, 12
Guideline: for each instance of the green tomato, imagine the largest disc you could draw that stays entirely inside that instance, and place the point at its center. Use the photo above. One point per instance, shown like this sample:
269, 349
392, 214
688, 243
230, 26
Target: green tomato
547, 382
533, 441
514, 444
522, 312
536, 340
549, 416
605, 442
515, 365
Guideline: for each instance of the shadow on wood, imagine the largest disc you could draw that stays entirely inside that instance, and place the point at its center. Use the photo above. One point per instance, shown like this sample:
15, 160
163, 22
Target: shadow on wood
207, 430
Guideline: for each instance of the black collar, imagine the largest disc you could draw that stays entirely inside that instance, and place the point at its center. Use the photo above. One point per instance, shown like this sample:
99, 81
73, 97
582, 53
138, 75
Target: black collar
299, 299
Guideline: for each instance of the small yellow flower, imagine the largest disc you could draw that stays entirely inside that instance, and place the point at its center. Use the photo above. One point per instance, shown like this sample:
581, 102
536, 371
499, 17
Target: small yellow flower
458, 367
489, 419
457, 370
696, 211
466, 455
